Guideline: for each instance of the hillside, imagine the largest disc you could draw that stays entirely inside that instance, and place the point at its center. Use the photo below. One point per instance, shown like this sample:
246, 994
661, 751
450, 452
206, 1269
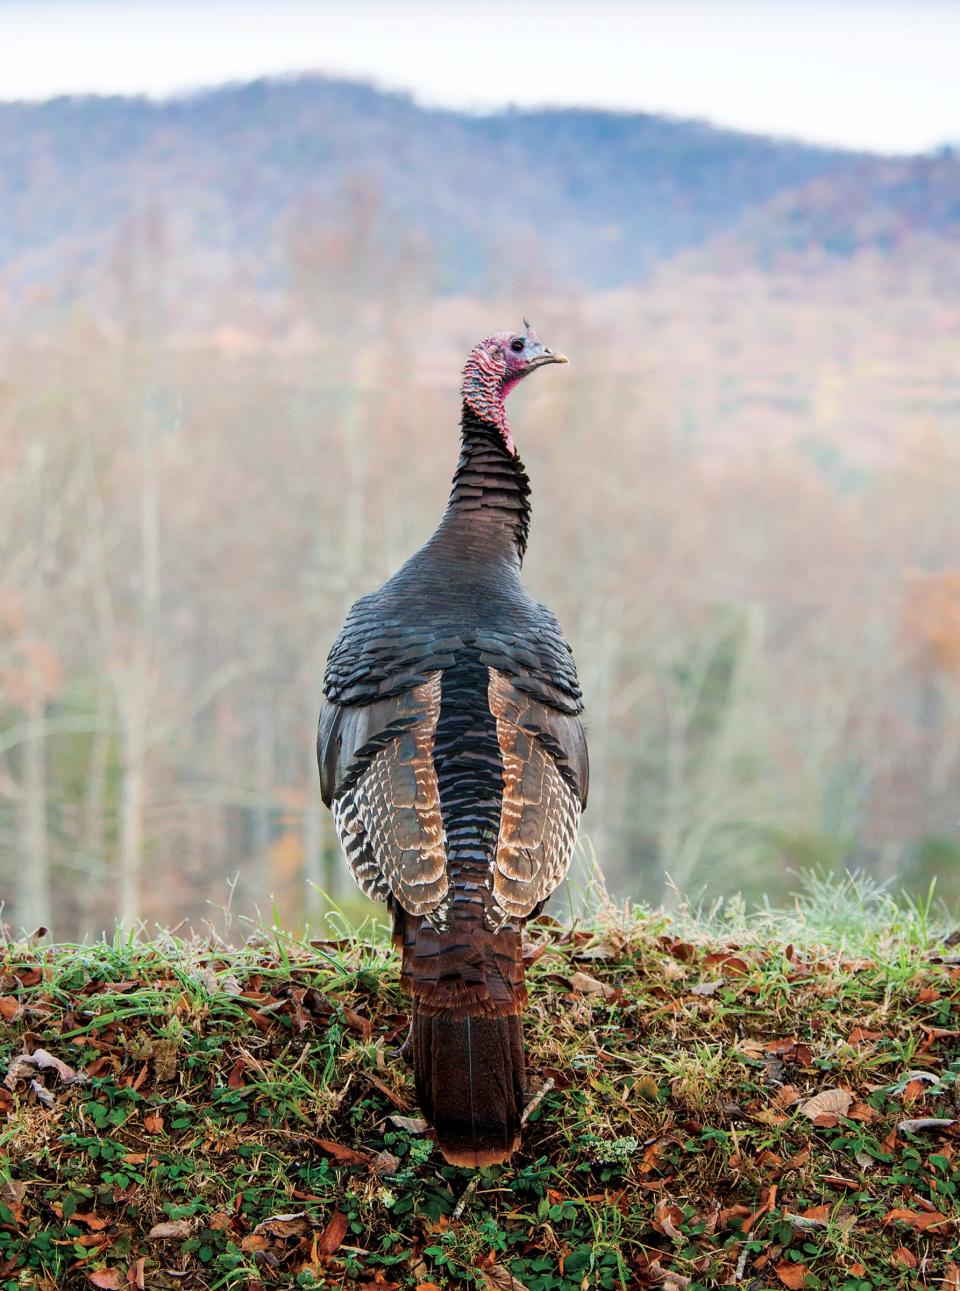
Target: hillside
765, 1104
582, 197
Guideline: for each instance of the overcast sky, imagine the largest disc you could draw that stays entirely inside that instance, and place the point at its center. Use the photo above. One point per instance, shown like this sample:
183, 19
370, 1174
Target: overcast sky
880, 75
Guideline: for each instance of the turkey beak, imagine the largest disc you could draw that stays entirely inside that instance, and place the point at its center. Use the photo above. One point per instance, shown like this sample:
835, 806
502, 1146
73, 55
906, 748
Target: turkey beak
548, 356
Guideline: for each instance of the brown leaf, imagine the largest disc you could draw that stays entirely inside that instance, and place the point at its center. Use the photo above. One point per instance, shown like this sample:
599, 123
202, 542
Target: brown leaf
818, 1213
348, 1156
916, 1219
334, 1233
106, 1279
732, 1212
93, 1222
235, 1079
951, 1277
683, 951
829, 1102
729, 965
667, 1219
792, 1275
707, 988
427, 1286
904, 1257
497, 1278
584, 984
790, 1049
357, 1023
913, 1090
863, 1112
153, 1123
391, 1095
10, 1007
170, 1230
860, 1035
385, 1163
292, 1225
412, 1124
768, 1199
136, 1276
254, 1242
25, 1065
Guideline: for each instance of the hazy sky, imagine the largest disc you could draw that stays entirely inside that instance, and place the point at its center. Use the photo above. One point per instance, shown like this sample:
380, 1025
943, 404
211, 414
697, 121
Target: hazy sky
881, 75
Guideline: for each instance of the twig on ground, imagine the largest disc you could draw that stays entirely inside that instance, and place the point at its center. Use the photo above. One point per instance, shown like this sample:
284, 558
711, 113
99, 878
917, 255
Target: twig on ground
467, 1197
537, 1099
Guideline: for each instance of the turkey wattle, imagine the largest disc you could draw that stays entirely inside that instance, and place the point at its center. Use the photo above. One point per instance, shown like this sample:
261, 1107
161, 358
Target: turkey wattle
453, 758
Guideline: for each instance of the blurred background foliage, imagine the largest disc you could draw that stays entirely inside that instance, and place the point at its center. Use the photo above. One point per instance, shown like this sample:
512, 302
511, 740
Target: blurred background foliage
230, 336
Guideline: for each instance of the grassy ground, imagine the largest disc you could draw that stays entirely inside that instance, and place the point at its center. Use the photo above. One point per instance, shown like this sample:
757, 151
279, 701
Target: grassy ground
759, 1102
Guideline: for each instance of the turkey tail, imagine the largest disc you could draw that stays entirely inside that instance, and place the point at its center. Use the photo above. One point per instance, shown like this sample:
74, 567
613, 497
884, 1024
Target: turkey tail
469, 1075
468, 1064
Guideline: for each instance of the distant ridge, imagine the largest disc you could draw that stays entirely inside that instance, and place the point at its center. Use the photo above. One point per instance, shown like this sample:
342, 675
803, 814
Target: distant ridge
580, 197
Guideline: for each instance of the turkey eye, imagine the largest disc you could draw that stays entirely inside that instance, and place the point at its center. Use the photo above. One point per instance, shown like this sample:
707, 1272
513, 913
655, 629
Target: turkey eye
516, 345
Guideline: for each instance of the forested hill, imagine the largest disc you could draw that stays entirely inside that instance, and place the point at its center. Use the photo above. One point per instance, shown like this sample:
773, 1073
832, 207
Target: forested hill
591, 198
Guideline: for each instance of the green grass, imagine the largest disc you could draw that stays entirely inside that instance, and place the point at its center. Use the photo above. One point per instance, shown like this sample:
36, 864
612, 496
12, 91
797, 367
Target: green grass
249, 1099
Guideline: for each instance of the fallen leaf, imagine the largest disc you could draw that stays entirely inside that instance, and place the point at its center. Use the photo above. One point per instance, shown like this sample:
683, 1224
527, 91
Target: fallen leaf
171, 1229
912, 1091
668, 1279
10, 1008
667, 1219
412, 1124
707, 988
334, 1233
385, 1163
904, 1257
863, 1112
93, 1222
584, 984
497, 1278
860, 1035
254, 1242
348, 1156
25, 1065
106, 1279
768, 1199
829, 1102
153, 1123
292, 1225
925, 1123
729, 965
819, 1213
915, 1219
792, 1275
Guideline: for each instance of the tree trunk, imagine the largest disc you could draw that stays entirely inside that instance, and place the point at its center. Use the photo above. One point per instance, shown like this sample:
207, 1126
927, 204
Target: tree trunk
132, 800
33, 905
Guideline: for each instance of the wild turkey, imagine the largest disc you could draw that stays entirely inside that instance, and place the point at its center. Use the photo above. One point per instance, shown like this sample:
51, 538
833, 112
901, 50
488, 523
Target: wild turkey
454, 761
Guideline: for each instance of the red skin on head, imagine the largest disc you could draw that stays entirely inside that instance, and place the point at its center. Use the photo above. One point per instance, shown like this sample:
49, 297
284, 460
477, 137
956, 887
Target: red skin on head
491, 371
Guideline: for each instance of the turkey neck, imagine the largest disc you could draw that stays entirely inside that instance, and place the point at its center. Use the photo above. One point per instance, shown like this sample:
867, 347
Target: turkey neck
488, 515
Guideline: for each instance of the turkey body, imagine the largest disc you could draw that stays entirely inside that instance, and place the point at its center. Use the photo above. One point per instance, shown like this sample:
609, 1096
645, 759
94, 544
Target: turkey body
453, 758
